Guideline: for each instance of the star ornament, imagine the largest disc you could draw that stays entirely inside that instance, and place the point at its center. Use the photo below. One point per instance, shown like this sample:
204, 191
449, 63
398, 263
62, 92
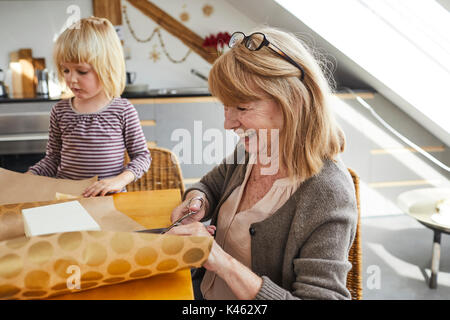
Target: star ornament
207, 10
155, 55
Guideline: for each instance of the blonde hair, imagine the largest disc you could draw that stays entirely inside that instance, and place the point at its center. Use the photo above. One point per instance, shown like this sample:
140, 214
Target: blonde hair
309, 134
94, 41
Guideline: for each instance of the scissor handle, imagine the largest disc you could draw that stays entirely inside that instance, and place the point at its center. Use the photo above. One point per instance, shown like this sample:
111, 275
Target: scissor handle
190, 213
202, 200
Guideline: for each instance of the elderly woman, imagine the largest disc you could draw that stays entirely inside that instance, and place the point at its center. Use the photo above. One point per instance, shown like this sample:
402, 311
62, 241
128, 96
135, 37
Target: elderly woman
284, 215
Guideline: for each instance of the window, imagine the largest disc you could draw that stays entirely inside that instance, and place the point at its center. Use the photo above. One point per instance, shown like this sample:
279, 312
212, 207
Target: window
405, 44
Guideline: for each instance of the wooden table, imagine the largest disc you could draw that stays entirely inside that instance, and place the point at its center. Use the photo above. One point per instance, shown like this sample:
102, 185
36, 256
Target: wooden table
152, 209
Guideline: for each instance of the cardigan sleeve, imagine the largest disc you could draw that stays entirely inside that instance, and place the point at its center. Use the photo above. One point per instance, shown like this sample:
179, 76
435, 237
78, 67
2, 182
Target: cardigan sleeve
325, 234
320, 269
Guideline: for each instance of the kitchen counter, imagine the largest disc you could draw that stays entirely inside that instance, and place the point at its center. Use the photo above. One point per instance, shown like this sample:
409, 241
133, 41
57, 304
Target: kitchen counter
167, 93
151, 94
24, 100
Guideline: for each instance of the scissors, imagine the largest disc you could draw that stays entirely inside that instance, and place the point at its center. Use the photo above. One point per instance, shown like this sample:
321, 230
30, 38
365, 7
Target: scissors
178, 222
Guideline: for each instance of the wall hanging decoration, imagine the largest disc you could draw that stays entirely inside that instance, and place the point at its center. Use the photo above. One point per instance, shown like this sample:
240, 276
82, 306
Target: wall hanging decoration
218, 41
184, 15
154, 54
207, 10
157, 31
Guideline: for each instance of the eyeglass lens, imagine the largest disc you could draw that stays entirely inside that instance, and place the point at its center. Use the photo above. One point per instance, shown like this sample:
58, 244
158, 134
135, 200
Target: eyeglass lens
255, 41
252, 42
235, 39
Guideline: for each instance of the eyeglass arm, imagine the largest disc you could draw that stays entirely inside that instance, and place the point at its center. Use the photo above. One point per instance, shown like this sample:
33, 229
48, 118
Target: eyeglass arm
280, 52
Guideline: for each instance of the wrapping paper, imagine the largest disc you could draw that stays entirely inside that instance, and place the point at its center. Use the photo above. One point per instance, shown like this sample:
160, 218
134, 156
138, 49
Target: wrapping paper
46, 266
19, 187
64, 196
102, 209
50, 265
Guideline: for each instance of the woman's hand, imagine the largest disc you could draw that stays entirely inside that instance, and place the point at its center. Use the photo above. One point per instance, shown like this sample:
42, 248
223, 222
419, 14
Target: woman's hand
198, 229
187, 205
107, 185
244, 283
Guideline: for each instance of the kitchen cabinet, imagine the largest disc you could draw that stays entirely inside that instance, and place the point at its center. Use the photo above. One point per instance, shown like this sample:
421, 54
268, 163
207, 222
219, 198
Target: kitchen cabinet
191, 127
24, 127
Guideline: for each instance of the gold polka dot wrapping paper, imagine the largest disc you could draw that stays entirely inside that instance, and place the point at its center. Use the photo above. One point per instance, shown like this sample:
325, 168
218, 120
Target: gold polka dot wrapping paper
46, 266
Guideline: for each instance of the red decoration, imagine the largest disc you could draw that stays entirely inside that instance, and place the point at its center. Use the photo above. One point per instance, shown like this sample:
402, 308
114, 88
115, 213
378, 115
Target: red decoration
218, 41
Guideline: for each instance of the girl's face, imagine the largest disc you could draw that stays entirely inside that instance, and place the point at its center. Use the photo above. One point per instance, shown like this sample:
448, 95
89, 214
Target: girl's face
248, 119
82, 80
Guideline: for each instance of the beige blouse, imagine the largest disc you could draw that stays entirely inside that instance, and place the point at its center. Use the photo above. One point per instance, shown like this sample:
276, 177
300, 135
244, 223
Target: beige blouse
233, 234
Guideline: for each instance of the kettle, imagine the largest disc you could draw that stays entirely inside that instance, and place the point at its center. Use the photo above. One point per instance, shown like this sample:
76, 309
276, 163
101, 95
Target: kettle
3, 92
131, 76
42, 82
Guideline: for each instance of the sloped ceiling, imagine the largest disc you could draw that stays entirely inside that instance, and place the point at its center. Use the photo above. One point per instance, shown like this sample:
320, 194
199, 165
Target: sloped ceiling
444, 3
268, 12
347, 72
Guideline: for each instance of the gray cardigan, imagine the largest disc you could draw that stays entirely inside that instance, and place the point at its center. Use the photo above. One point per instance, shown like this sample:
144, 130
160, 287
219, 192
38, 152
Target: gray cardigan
301, 250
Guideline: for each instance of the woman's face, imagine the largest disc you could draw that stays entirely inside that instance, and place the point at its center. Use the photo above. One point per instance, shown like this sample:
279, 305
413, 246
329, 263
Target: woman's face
249, 120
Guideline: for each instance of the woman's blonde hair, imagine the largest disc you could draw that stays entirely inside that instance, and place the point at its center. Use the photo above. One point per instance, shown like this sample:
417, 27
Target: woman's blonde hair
309, 134
94, 41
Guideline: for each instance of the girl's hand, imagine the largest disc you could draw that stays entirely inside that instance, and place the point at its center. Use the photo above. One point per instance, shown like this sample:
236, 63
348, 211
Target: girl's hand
187, 206
114, 184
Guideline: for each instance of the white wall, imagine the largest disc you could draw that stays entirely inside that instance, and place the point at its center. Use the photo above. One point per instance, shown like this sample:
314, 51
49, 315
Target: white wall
164, 73
35, 24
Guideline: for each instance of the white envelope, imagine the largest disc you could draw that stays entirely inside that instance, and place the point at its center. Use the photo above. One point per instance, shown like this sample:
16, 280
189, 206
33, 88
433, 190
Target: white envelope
55, 218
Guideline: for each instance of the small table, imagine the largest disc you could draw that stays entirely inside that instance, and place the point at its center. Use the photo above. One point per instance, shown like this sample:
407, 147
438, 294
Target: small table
152, 209
421, 205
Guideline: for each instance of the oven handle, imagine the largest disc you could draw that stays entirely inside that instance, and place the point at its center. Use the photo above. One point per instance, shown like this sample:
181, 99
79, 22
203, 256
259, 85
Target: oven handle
24, 137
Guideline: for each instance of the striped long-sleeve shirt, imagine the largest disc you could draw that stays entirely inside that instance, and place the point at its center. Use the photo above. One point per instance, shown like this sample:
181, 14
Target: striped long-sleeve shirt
83, 145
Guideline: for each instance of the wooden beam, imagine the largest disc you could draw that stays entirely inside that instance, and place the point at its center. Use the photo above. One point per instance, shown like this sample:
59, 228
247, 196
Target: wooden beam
169, 100
350, 96
407, 150
148, 123
109, 9
176, 28
403, 183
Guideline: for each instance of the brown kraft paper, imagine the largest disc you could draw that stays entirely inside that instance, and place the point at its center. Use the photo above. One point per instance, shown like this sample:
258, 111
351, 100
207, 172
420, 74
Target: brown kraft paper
20, 187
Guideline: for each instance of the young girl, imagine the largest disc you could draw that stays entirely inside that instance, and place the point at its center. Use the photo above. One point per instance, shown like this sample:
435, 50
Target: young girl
90, 132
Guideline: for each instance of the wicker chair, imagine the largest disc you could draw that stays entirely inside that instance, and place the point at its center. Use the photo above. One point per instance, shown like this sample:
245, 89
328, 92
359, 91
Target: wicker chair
354, 277
164, 172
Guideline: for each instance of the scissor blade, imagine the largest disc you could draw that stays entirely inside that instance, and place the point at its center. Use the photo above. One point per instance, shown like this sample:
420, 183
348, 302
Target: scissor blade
158, 230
